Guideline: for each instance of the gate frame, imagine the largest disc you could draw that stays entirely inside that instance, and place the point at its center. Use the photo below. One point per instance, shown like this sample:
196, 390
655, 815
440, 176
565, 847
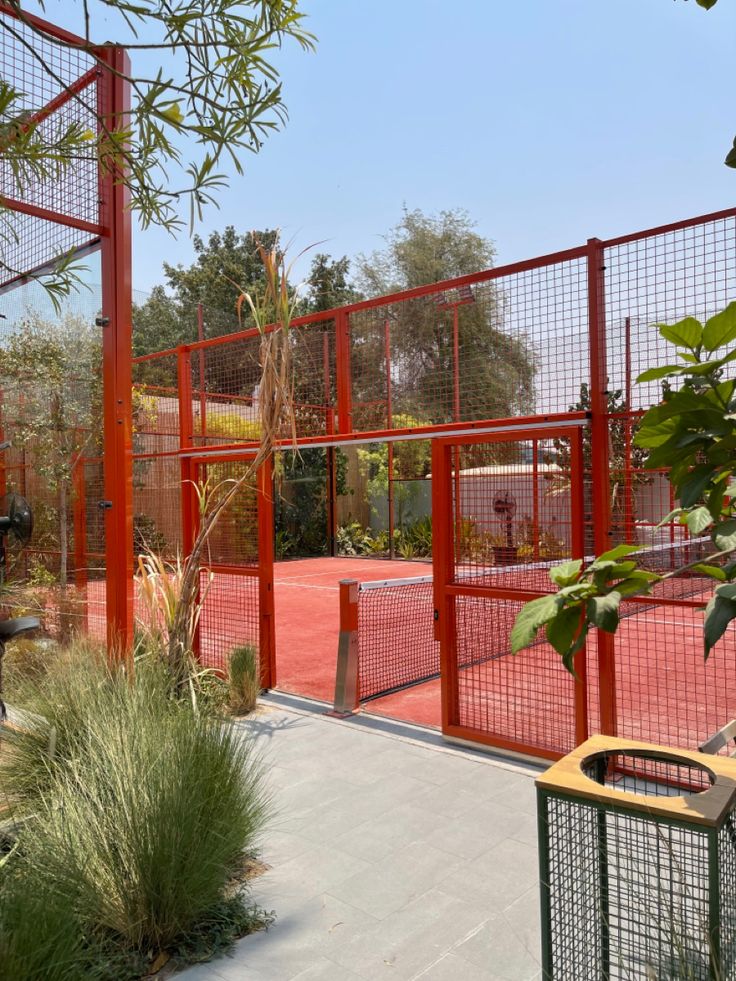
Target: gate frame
444, 449
191, 465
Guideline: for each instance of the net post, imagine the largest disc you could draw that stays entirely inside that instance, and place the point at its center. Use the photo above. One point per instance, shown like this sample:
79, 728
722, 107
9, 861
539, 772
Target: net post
346, 677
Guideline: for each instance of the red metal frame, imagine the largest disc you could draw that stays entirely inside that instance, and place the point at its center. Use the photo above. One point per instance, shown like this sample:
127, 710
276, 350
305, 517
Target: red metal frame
600, 468
112, 234
117, 343
445, 455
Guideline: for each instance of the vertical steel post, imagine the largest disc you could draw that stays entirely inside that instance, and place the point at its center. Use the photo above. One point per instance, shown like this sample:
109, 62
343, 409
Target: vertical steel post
629, 508
577, 534
443, 568
600, 466
344, 381
116, 256
535, 502
187, 469
390, 447
266, 608
714, 906
202, 382
545, 905
330, 454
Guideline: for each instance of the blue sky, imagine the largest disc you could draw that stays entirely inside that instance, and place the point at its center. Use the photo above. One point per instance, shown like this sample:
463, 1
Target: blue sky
548, 120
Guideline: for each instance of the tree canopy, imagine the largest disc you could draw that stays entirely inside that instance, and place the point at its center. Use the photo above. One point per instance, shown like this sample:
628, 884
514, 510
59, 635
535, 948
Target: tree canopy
214, 96
496, 368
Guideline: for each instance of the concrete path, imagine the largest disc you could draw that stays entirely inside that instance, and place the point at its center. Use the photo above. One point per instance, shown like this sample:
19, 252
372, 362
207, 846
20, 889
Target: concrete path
392, 855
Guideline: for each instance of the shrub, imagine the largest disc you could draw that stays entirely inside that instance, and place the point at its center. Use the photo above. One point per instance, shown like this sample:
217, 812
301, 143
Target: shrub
148, 809
244, 675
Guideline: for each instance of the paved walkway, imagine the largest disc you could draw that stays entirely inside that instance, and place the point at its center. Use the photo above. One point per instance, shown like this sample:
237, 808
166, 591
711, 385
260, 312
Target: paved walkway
392, 855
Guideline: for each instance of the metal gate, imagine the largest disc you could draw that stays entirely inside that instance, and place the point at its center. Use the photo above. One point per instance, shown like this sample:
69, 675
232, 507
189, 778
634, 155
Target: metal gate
506, 506
237, 568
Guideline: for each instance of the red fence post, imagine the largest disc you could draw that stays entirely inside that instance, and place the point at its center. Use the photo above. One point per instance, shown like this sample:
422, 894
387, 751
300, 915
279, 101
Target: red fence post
266, 618
347, 691
344, 381
443, 569
189, 504
577, 535
116, 323
600, 466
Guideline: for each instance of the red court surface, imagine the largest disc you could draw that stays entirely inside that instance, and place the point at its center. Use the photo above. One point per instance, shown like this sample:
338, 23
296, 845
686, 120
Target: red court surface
306, 598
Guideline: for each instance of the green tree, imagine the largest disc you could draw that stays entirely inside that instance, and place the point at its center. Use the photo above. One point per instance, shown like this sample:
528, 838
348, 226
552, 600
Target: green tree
51, 373
169, 316
496, 369
329, 285
692, 434
215, 97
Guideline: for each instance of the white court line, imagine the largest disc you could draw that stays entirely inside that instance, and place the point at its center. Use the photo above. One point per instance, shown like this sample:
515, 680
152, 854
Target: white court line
304, 585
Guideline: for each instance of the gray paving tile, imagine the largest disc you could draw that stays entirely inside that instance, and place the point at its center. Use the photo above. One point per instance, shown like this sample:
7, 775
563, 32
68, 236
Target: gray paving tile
383, 888
326, 970
411, 940
328, 820
389, 859
524, 919
375, 839
497, 878
450, 967
473, 832
308, 874
499, 951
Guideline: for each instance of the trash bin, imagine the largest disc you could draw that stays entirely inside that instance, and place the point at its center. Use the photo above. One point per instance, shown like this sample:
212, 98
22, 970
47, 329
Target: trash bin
637, 848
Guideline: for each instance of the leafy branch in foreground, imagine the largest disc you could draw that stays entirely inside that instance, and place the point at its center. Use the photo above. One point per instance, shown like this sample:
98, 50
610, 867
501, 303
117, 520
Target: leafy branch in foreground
214, 95
692, 435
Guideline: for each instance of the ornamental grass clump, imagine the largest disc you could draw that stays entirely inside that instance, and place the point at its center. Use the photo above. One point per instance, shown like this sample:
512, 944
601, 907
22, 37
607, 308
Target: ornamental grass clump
141, 819
244, 679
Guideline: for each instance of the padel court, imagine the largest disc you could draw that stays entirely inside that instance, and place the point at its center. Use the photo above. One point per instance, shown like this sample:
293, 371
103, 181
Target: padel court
485, 425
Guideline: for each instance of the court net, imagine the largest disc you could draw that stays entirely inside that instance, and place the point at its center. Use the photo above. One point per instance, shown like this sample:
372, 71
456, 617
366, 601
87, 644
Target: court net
396, 644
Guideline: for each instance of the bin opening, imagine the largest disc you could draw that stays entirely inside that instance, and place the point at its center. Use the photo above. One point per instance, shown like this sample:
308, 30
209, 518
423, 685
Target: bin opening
647, 773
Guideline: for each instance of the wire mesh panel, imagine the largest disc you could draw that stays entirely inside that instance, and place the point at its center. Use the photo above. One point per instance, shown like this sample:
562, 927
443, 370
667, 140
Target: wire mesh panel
44, 73
636, 850
506, 509
396, 643
482, 350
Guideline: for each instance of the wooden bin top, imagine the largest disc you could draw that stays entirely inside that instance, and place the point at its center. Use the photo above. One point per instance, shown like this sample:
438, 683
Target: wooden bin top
707, 808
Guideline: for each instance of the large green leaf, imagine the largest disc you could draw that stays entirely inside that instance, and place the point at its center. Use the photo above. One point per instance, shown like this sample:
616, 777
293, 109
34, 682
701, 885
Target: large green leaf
724, 535
567, 573
686, 333
563, 629
699, 519
719, 613
532, 616
616, 553
713, 571
653, 374
691, 491
603, 611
